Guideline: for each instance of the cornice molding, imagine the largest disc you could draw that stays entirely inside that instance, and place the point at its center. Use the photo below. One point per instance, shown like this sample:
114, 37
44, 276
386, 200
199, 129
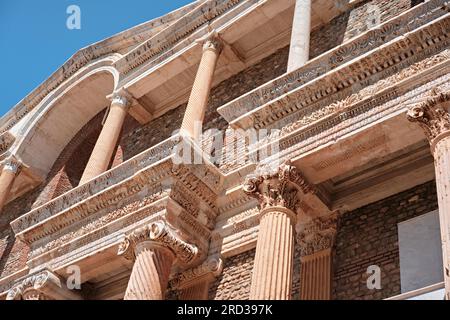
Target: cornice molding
165, 39
354, 50
6, 141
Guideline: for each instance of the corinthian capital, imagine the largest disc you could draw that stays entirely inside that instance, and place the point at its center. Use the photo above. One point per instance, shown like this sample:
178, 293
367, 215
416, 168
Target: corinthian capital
161, 234
282, 188
211, 41
204, 272
121, 98
12, 164
432, 115
317, 234
43, 285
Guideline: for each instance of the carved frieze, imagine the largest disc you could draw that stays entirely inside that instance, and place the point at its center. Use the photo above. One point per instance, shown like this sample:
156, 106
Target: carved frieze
158, 232
327, 62
317, 234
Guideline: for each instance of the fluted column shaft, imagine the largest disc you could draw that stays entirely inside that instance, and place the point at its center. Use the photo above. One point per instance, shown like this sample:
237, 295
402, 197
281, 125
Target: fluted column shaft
300, 38
7, 177
315, 276
442, 169
273, 266
107, 140
199, 291
198, 99
434, 118
150, 273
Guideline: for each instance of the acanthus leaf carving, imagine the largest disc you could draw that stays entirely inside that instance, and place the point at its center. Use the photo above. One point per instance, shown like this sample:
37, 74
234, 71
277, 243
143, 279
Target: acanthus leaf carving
432, 115
317, 234
160, 233
208, 270
280, 188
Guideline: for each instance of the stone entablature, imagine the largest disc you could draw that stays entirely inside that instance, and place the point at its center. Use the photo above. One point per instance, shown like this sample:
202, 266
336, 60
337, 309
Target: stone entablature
184, 195
6, 140
355, 49
359, 73
167, 38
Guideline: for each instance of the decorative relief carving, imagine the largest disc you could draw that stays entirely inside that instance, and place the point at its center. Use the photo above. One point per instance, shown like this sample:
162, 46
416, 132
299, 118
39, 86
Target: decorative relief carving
76, 231
389, 60
160, 233
194, 184
34, 282
207, 271
318, 234
161, 43
432, 115
6, 140
278, 188
86, 204
400, 25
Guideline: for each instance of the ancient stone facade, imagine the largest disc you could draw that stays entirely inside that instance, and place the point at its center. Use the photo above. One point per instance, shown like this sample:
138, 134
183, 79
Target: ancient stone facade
232, 149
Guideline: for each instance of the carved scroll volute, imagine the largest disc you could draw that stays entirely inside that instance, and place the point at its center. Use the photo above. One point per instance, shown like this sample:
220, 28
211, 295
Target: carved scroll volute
161, 234
433, 116
282, 188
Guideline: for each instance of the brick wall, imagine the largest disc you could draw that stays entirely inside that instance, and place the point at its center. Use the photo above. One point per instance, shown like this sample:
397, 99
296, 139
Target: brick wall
234, 282
368, 236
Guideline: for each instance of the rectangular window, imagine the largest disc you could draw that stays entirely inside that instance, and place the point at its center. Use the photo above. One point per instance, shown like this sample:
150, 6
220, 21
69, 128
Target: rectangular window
419, 241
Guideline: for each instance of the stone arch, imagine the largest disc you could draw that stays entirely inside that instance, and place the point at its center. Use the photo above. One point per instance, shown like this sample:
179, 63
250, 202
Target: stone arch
59, 117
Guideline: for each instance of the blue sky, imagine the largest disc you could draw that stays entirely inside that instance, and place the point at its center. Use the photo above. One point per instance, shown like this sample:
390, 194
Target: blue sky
34, 39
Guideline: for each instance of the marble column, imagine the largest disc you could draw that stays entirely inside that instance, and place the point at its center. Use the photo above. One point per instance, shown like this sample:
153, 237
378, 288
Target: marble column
9, 172
300, 38
278, 194
153, 249
434, 118
198, 99
108, 138
316, 241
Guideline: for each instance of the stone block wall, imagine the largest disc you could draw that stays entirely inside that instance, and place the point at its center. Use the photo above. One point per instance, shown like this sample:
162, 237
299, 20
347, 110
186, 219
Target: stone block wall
368, 236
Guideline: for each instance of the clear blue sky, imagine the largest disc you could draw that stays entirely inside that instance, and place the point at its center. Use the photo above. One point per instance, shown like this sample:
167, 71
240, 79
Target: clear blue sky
34, 39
